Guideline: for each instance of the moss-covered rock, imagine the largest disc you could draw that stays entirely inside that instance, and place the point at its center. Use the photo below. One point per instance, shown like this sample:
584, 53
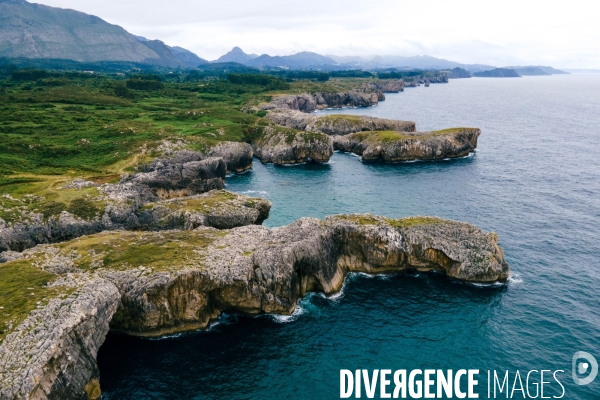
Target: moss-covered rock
128, 207
392, 146
280, 145
336, 124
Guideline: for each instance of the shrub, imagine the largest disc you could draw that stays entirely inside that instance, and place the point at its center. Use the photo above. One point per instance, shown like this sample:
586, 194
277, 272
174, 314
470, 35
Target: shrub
268, 81
144, 84
121, 90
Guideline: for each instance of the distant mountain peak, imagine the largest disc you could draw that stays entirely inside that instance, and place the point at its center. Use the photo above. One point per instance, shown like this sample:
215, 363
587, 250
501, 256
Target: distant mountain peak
236, 55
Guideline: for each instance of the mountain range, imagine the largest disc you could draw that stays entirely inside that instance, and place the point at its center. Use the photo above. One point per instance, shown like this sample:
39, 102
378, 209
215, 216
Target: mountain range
35, 31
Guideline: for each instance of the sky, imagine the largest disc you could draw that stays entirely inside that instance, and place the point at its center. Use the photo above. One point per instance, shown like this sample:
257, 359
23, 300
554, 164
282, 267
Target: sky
509, 32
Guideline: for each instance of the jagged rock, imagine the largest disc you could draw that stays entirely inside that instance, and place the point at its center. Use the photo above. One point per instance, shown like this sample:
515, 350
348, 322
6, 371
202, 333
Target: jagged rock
219, 209
189, 278
131, 209
336, 124
308, 103
237, 156
386, 85
288, 146
395, 146
52, 354
185, 174
80, 184
20, 236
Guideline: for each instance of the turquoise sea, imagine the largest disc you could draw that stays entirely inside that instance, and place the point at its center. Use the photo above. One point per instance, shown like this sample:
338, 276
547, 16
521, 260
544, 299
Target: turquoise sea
534, 179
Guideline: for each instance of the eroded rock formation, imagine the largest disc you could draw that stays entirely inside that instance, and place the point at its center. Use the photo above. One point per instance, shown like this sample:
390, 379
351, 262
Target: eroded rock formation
308, 102
217, 208
141, 202
237, 156
386, 85
336, 124
280, 145
188, 278
396, 146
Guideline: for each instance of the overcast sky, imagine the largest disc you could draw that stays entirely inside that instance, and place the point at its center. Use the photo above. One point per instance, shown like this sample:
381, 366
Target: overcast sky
509, 32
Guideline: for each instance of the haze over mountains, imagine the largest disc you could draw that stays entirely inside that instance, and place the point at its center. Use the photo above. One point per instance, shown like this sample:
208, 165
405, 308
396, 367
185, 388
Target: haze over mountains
37, 31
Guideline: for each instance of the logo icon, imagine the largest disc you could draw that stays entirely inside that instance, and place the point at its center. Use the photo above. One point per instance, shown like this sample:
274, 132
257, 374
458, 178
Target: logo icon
582, 367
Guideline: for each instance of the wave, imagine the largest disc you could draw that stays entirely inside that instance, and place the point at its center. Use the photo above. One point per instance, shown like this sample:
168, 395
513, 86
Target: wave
284, 319
261, 192
515, 279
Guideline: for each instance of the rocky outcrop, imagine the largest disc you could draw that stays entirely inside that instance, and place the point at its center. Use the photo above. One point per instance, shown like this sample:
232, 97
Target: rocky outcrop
128, 207
336, 124
280, 145
219, 209
439, 78
311, 102
237, 156
189, 278
386, 86
186, 173
395, 146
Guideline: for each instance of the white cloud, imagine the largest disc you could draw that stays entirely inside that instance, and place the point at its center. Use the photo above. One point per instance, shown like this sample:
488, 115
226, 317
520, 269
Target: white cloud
469, 31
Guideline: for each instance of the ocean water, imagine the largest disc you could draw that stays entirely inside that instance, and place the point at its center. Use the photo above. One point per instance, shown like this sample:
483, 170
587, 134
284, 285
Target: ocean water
534, 179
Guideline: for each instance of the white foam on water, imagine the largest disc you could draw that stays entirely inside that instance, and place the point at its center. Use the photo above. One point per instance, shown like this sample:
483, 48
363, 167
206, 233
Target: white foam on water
260, 192
488, 285
167, 337
515, 279
284, 319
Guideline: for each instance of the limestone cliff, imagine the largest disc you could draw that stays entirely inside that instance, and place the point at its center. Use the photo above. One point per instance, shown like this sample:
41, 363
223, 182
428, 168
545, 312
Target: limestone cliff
237, 156
187, 278
386, 85
280, 145
336, 124
410, 146
311, 102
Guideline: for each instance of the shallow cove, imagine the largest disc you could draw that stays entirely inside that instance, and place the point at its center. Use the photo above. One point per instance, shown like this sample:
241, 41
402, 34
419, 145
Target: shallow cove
535, 180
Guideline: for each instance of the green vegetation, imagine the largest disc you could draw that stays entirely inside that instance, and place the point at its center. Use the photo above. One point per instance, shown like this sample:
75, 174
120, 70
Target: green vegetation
390, 136
50, 199
368, 219
361, 219
340, 118
408, 75
121, 250
289, 135
215, 199
60, 125
23, 288
268, 82
414, 221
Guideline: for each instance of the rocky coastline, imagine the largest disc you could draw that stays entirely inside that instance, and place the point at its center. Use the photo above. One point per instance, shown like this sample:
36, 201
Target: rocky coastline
167, 250
285, 146
336, 124
308, 103
371, 138
166, 195
188, 278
